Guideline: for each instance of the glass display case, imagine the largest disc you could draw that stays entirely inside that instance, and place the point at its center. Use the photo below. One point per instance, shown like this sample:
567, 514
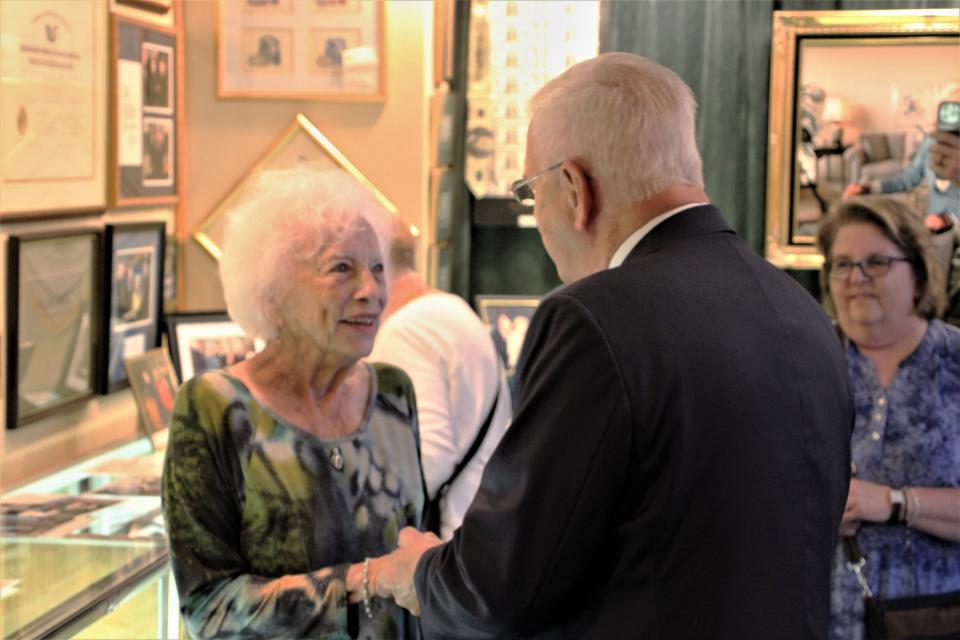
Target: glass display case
83, 552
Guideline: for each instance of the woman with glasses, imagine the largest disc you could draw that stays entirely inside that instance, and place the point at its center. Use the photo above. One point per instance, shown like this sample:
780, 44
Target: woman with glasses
882, 281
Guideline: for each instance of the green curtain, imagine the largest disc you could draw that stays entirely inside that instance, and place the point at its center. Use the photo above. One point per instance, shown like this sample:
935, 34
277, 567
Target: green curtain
721, 48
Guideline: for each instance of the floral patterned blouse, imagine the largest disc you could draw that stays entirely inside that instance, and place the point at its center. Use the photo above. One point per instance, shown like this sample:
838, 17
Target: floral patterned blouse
264, 519
905, 435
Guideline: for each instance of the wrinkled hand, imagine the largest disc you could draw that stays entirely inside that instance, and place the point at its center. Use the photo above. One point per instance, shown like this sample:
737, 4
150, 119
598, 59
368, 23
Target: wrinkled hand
866, 502
854, 189
945, 156
391, 576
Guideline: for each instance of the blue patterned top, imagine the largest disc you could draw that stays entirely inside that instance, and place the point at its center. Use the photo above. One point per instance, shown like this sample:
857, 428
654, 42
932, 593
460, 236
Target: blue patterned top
905, 435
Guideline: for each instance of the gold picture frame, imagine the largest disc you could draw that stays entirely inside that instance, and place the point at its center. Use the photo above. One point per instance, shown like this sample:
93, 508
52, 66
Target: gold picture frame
300, 142
301, 49
785, 243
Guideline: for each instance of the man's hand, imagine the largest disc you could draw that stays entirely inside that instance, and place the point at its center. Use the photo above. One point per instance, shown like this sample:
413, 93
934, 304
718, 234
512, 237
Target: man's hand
854, 189
945, 156
391, 576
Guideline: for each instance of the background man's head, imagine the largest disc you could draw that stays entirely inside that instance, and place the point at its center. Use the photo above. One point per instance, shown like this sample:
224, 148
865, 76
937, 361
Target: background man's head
403, 248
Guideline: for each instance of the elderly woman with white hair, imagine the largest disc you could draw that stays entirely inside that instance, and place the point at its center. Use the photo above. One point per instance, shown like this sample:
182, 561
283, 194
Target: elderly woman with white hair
287, 470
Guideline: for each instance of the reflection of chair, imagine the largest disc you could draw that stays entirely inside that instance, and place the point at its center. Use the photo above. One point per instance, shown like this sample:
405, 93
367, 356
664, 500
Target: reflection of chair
876, 155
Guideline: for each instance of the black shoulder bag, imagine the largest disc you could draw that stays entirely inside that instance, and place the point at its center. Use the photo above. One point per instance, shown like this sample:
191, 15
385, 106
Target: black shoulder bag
932, 617
431, 520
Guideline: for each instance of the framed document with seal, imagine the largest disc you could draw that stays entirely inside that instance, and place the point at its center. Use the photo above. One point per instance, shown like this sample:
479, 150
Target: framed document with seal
131, 295
51, 322
52, 107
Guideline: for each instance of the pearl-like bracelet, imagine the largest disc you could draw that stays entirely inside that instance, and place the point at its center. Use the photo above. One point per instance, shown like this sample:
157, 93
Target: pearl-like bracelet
365, 585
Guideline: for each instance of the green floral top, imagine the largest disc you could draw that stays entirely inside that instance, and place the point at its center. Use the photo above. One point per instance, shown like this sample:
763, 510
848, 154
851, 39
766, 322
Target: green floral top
264, 519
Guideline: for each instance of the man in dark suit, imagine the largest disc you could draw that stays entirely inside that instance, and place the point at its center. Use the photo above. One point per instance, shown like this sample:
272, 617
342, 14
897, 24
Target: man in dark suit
678, 462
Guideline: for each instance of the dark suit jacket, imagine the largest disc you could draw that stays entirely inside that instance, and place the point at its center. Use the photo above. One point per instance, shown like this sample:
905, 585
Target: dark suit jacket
677, 465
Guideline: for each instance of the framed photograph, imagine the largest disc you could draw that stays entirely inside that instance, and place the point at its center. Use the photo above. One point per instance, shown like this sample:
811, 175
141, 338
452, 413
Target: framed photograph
51, 322
52, 107
154, 386
301, 49
132, 286
509, 316
203, 341
144, 125
302, 142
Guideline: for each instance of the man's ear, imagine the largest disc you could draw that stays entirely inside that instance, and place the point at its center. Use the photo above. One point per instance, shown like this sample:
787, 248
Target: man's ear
580, 195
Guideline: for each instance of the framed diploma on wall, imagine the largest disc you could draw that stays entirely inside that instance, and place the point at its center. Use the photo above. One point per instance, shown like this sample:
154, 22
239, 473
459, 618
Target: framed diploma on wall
131, 295
144, 128
302, 49
51, 322
52, 107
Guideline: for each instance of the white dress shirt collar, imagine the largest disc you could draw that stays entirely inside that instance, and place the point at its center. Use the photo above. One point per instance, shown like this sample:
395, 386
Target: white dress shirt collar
634, 238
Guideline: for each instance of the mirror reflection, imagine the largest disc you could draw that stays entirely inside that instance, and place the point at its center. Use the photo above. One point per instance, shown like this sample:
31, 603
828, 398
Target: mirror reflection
863, 107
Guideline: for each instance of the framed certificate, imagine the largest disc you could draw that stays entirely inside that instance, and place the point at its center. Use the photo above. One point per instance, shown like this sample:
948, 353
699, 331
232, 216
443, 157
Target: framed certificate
303, 49
132, 298
302, 142
51, 322
144, 126
52, 107
203, 341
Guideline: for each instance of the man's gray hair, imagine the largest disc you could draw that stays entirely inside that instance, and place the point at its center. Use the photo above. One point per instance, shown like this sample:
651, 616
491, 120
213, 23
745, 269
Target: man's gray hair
628, 120
284, 216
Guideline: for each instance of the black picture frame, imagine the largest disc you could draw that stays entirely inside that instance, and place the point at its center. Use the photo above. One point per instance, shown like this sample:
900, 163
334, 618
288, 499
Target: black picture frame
132, 309
34, 344
508, 318
188, 331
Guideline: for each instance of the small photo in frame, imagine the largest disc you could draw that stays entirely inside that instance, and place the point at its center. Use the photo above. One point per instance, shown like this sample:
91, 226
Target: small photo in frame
202, 342
154, 386
51, 338
267, 51
158, 71
158, 152
510, 317
133, 259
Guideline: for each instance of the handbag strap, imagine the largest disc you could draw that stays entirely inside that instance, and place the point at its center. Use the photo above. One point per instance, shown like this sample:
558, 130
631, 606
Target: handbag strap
477, 441
856, 562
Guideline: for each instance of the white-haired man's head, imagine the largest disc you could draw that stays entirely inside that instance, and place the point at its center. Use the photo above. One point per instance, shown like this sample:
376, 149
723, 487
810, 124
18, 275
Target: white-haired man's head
627, 119
285, 216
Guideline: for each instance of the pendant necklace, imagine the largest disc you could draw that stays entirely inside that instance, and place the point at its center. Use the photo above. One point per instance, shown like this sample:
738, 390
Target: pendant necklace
336, 458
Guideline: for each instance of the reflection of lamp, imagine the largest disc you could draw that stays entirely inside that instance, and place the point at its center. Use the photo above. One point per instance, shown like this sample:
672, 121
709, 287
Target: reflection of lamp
834, 112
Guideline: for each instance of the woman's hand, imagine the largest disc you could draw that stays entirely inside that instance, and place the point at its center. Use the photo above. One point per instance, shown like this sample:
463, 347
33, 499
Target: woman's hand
866, 502
855, 189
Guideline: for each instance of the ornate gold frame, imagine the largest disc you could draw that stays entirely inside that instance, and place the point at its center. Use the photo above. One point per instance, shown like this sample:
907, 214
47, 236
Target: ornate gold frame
207, 233
788, 28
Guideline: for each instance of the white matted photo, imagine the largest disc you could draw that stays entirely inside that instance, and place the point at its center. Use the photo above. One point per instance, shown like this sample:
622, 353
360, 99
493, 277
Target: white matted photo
158, 74
158, 152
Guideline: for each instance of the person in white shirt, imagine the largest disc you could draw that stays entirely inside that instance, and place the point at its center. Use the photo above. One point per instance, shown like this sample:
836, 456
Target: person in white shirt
449, 355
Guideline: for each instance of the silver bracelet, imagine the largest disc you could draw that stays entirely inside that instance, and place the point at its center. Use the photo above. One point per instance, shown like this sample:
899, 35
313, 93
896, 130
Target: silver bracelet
915, 509
365, 589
